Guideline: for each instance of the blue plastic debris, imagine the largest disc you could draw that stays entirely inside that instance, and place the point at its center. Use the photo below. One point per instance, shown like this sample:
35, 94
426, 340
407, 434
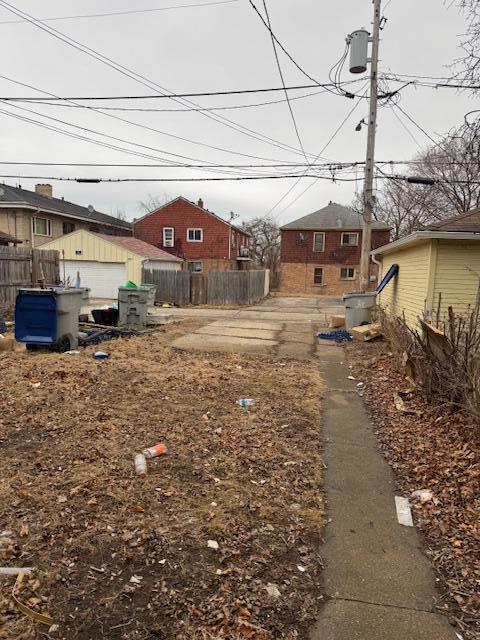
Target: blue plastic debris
340, 335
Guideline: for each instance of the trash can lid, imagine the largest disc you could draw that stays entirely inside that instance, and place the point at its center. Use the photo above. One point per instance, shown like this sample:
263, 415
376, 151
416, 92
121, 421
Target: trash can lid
359, 294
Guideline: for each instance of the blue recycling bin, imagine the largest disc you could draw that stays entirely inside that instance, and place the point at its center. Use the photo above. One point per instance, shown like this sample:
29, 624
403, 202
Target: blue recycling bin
48, 317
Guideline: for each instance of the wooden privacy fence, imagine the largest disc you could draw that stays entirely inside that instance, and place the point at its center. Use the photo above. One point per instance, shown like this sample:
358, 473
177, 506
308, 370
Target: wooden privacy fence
172, 286
216, 288
235, 287
24, 267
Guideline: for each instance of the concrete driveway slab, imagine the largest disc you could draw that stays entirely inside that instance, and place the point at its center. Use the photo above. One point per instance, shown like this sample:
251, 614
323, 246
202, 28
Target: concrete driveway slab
203, 342
248, 324
216, 329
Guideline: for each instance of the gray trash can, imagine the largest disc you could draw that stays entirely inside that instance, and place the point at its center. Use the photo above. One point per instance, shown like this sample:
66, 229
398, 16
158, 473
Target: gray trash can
133, 306
358, 308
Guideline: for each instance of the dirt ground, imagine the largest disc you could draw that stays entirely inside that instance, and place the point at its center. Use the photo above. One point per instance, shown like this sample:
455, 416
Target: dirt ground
123, 557
430, 447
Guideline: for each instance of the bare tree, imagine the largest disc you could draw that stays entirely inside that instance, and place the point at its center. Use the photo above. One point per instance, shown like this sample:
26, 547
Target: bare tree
120, 214
153, 202
265, 242
469, 64
454, 165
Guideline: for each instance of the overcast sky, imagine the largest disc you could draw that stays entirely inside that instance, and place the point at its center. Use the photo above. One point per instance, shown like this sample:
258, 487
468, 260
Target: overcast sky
215, 48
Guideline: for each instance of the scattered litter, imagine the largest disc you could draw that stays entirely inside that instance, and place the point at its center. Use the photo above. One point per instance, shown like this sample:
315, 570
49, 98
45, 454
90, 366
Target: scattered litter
340, 335
360, 384
401, 406
140, 465
213, 544
301, 568
100, 355
162, 561
366, 332
14, 571
423, 495
246, 402
72, 352
404, 513
273, 590
39, 617
351, 378
155, 451
136, 579
36, 385
62, 499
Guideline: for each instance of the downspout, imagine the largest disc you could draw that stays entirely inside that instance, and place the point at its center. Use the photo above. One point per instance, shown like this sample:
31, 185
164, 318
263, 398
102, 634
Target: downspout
31, 227
379, 264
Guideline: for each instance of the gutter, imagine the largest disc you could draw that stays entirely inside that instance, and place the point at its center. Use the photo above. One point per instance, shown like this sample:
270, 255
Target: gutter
426, 235
25, 205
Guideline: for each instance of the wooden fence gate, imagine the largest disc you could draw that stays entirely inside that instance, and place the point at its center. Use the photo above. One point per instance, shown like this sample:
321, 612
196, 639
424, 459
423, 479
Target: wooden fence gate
172, 286
24, 267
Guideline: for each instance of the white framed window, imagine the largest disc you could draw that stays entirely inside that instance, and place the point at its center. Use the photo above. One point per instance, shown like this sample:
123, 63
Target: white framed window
349, 239
42, 226
347, 273
168, 237
319, 241
318, 275
195, 267
195, 235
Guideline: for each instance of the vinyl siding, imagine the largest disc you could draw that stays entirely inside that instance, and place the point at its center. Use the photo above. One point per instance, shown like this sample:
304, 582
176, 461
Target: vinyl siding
457, 275
408, 292
98, 249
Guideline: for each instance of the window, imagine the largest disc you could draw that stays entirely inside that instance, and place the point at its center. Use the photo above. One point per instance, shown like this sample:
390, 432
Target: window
168, 237
195, 235
68, 227
319, 241
350, 239
42, 226
347, 273
195, 267
318, 275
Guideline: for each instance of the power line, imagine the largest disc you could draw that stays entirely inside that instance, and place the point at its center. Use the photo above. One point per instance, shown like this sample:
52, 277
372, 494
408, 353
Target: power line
330, 140
124, 13
136, 124
404, 126
96, 180
128, 73
279, 67
171, 95
215, 179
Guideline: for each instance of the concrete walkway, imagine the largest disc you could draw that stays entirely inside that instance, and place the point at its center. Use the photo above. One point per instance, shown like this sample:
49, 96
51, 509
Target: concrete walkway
378, 583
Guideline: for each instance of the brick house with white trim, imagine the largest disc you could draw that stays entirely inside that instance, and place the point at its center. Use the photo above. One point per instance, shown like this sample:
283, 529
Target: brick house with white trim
203, 239
320, 253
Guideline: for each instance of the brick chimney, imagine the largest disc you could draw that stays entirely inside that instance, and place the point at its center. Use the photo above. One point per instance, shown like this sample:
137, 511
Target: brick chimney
44, 189
200, 203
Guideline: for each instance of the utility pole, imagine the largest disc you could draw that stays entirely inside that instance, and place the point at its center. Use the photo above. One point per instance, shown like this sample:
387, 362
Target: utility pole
368, 197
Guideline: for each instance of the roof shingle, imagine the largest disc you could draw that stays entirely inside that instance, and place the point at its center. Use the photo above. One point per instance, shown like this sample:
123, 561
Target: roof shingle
140, 247
16, 196
333, 216
469, 221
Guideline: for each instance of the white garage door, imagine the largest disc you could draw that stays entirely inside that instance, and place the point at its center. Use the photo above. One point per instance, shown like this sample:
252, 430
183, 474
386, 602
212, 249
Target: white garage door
102, 278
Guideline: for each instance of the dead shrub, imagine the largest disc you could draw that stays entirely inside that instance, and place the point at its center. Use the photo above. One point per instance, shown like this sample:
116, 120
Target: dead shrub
443, 357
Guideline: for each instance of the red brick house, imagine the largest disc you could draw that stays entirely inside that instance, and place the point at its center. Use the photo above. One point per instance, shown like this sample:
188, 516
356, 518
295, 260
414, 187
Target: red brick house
320, 253
189, 231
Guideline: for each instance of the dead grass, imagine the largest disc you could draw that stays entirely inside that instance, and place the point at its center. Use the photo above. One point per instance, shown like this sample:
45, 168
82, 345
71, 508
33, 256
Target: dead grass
251, 481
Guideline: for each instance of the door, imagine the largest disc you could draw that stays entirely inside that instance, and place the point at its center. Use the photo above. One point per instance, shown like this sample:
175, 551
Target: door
102, 278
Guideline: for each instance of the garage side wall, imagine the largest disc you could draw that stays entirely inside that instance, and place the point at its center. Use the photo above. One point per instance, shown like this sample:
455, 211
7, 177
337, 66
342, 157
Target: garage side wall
409, 292
457, 275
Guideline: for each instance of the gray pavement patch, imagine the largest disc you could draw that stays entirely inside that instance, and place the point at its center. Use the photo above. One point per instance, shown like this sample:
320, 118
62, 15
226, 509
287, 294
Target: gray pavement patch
353, 620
